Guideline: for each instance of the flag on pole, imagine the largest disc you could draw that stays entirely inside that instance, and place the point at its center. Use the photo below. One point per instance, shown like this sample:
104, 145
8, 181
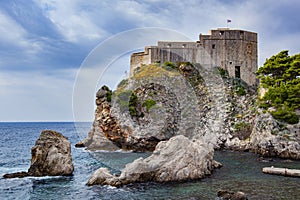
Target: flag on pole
228, 20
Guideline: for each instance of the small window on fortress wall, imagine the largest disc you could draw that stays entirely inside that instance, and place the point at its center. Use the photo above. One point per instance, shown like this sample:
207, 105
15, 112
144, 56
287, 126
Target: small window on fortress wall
184, 45
213, 46
168, 45
221, 33
241, 34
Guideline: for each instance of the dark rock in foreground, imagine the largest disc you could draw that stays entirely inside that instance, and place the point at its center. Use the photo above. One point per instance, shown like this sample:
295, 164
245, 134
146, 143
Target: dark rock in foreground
51, 156
178, 159
80, 144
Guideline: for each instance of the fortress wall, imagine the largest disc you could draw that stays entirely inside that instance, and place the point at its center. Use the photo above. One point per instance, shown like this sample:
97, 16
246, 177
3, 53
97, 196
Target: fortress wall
140, 58
176, 51
232, 50
136, 60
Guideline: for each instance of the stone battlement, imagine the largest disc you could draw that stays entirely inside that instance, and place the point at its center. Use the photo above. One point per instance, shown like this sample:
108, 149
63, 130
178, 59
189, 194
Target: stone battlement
232, 50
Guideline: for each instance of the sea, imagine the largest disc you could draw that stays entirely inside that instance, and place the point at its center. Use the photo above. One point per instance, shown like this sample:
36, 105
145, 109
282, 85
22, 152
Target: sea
241, 171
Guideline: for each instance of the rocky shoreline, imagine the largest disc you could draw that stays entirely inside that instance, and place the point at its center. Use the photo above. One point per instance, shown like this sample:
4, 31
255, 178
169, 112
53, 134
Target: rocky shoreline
225, 118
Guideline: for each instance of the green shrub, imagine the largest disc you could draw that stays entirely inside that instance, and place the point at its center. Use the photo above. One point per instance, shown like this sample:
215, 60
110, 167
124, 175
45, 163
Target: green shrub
170, 64
133, 100
242, 130
108, 95
223, 72
122, 99
240, 125
148, 104
168, 68
122, 83
240, 91
264, 105
132, 111
285, 115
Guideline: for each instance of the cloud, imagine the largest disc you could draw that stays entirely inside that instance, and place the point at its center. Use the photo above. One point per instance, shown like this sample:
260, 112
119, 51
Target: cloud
35, 96
12, 34
41, 38
74, 19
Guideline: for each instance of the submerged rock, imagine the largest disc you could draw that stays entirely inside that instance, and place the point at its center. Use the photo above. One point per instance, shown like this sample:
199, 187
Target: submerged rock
16, 175
79, 144
229, 195
178, 159
51, 156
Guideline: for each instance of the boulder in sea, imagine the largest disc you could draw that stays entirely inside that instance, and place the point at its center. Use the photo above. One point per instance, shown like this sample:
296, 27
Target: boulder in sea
51, 156
178, 159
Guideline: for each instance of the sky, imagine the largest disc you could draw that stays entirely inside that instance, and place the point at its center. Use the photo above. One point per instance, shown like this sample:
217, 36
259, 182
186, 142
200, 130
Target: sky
45, 44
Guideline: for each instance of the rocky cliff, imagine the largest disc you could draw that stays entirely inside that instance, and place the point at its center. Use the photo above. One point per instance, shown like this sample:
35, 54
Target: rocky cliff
199, 102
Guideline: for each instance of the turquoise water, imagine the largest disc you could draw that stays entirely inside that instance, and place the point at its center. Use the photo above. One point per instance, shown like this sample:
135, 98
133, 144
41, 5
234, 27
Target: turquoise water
241, 172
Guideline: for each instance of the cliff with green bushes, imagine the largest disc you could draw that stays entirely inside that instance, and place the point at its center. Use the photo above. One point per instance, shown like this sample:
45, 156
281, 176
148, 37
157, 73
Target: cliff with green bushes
161, 101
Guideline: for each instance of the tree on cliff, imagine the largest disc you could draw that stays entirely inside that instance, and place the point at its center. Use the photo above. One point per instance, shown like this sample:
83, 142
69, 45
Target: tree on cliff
280, 76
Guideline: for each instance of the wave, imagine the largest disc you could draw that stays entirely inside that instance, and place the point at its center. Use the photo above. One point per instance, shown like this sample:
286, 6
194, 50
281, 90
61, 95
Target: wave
106, 151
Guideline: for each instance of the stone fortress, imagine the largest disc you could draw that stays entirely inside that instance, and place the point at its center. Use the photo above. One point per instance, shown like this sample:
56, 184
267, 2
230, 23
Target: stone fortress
232, 50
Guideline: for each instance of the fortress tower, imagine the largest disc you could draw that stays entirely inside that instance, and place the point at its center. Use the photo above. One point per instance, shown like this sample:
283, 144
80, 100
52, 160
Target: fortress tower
232, 50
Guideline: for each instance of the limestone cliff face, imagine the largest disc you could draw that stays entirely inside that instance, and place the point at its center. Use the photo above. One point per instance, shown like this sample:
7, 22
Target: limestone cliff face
160, 102
272, 138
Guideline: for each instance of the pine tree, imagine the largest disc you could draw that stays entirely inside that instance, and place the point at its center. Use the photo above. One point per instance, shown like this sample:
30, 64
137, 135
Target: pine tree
280, 75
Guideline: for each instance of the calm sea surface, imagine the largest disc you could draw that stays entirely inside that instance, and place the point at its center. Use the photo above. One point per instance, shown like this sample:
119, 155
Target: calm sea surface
241, 172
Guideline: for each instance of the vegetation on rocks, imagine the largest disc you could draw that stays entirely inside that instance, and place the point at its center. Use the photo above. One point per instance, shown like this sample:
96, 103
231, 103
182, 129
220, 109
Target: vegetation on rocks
149, 103
122, 98
122, 83
280, 76
223, 72
147, 72
242, 130
133, 100
169, 65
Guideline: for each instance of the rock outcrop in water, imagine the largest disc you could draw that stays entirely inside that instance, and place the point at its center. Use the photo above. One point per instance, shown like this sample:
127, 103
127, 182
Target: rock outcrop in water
178, 159
51, 156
